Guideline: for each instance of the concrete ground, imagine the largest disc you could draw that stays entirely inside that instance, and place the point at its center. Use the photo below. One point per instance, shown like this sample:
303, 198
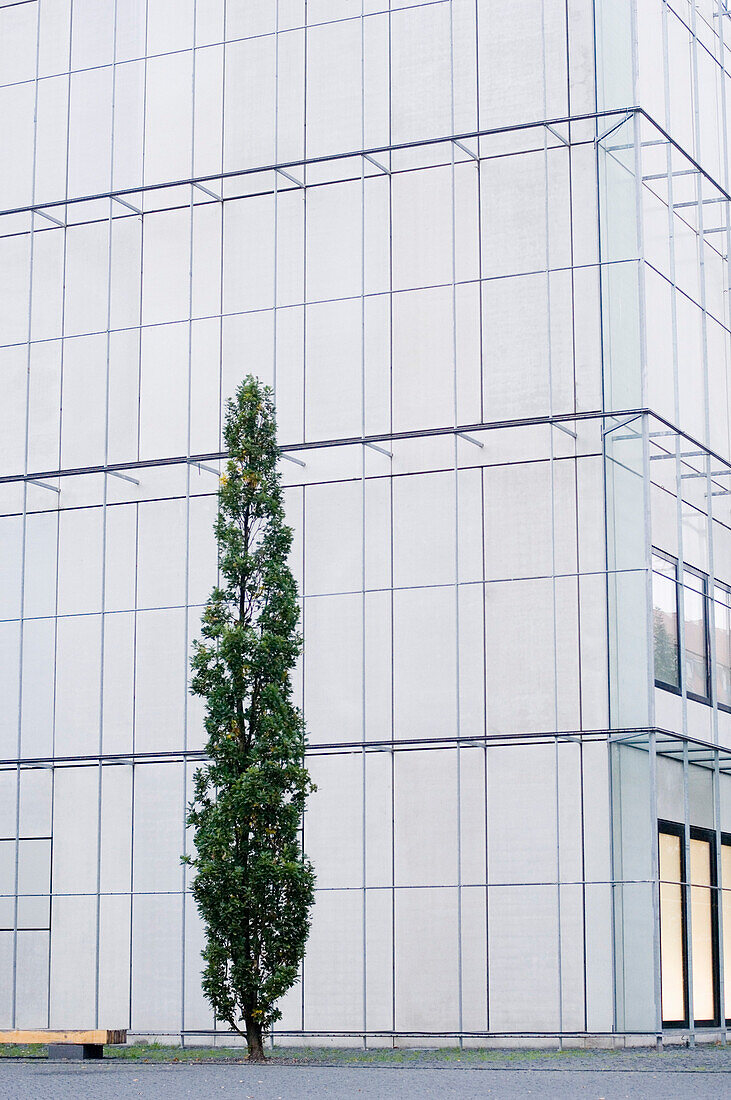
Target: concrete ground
704, 1074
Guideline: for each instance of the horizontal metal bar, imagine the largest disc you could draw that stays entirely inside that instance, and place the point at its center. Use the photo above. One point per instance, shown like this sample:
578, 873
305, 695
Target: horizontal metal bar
622, 423
469, 152
296, 182
558, 136
372, 151
202, 466
128, 205
124, 477
376, 163
43, 485
606, 133
375, 447
346, 441
563, 428
636, 736
469, 439
43, 214
701, 202
207, 191
291, 458
667, 175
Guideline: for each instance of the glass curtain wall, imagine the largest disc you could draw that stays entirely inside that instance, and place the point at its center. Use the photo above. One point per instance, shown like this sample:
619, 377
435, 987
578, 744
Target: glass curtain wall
459, 283
664, 238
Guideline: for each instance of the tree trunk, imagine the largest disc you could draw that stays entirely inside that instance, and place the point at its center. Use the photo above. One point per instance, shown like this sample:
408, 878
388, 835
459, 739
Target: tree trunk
253, 1038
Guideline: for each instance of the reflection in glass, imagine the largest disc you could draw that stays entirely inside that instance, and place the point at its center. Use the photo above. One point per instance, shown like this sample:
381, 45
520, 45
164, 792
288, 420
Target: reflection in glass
695, 664
704, 1007
722, 628
665, 621
671, 930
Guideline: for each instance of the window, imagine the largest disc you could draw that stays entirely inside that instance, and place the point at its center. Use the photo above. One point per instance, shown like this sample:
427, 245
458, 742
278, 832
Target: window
722, 631
672, 929
694, 669
675, 892
695, 615
665, 620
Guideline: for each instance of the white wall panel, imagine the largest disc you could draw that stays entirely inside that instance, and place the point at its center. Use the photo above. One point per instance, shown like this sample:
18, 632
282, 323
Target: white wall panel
333, 971
426, 818
156, 976
424, 663
425, 978
523, 955
73, 961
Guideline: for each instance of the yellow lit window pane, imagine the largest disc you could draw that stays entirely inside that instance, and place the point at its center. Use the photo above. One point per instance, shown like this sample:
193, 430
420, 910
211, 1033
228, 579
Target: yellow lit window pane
702, 934
671, 930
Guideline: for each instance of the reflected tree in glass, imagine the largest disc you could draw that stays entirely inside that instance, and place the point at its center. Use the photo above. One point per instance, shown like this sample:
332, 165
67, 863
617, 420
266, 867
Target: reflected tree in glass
253, 884
666, 650
665, 621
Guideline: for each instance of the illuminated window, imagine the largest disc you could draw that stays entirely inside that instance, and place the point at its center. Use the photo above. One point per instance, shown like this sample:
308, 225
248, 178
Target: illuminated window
703, 926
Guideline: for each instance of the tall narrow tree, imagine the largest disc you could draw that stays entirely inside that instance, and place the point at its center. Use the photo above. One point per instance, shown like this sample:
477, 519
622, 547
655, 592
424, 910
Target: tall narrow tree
253, 884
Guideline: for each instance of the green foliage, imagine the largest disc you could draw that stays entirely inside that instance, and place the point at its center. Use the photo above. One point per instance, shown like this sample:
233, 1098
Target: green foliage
253, 885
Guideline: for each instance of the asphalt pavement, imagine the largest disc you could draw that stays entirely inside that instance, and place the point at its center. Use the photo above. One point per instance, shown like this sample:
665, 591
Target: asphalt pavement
116, 1080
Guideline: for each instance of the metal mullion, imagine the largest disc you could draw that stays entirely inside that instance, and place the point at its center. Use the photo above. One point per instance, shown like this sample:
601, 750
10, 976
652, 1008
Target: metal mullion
577, 519
137, 536
455, 456
710, 645
363, 635
103, 620
676, 381
58, 506
304, 344
186, 592
687, 899
221, 273
718, 889
486, 833
554, 597
391, 520
24, 539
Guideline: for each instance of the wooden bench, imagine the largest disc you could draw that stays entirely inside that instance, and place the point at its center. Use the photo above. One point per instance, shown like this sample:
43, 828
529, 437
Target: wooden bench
68, 1044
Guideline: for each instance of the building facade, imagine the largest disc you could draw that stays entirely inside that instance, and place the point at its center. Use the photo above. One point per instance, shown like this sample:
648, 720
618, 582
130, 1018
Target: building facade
480, 251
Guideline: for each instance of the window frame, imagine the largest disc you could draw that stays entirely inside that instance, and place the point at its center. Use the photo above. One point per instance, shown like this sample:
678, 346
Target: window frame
705, 594
675, 828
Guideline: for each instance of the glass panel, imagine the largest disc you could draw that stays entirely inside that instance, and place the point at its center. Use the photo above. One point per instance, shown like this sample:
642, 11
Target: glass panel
665, 620
722, 627
726, 914
704, 1007
695, 665
671, 930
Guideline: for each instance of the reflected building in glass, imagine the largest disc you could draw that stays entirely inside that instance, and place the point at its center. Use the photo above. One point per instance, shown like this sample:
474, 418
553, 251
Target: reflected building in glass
480, 250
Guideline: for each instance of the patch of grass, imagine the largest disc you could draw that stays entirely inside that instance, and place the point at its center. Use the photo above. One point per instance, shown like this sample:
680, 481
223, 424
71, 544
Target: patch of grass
376, 1056
28, 1050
